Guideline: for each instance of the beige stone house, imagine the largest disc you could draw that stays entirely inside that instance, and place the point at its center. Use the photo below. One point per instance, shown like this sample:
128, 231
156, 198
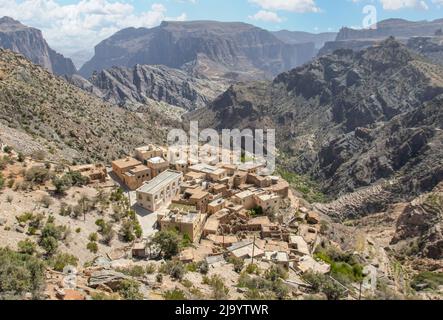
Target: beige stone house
159, 192
157, 165
189, 223
121, 166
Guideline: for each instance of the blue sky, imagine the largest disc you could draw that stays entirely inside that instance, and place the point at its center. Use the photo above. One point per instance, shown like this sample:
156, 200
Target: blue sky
73, 25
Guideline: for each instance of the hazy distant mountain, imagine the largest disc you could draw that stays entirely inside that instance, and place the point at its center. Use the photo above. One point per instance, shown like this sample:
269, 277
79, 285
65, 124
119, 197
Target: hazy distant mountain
397, 28
297, 37
203, 48
402, 30
30, 43
81, 57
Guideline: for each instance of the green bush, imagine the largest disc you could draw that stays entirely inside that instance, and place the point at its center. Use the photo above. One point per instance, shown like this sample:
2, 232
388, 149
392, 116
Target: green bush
344, 267
134, 271
175, 269
20, 273
92, 246
167, 242
49, 244
27, 246
175, 294
61, 260
323, 283
38, 175
129, 290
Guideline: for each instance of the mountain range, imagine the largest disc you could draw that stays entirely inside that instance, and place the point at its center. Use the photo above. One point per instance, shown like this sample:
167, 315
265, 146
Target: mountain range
202, 48
30, 42
349, 120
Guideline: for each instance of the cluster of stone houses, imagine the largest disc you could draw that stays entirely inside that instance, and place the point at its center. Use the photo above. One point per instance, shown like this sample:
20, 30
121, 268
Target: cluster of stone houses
225, 204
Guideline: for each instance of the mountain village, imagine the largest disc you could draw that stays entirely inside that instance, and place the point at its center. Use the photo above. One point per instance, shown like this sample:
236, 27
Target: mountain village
231, 218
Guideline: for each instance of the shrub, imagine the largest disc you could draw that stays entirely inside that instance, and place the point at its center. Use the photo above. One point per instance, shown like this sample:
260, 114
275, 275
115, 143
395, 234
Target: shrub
20, 273
129, 290
49, 244
175, 269
150, 268
61, 260
252, 269
27, 246
175, 294
38, 175
134, 271
92, 246
219, 290
237, 262
93, 237
323, 283
275, 273
2, 181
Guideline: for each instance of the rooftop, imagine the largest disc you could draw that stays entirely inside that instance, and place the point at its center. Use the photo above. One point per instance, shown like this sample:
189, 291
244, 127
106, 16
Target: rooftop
161, 181
156, 160
126, 163
244, 194
206, 168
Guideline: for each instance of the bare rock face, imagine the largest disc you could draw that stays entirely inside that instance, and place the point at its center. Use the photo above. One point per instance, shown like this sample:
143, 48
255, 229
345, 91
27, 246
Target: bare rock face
30, 43
423, 219
350, 120
209, 48
142, 83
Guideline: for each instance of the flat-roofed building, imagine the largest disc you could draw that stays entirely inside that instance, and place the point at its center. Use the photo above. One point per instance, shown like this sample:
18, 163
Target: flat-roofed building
267, 201
94, 172
212, 172
157, 165
136, 176
148, 152
195, 196
121, 166
245, 199
160, 190
250, 167
216, 206
195, 176
190, 223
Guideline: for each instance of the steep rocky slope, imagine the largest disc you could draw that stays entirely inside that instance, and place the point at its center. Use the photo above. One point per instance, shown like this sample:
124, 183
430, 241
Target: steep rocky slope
349, 120
422, 221
208, 48
67, 123
30, 42
142, 84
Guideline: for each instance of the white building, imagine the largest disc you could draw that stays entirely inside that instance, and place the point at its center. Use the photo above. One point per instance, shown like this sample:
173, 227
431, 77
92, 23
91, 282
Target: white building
159, 192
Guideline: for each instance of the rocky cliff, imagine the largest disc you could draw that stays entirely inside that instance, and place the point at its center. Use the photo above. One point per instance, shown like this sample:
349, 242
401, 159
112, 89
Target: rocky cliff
349, 120
30, 43
208, 48
132, 87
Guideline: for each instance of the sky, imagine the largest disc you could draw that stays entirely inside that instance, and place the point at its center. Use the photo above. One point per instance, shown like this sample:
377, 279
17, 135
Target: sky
70, 26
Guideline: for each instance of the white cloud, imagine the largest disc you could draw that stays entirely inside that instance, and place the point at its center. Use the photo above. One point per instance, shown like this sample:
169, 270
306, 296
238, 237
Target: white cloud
80, 26
288, 5
266, 16
400, 4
